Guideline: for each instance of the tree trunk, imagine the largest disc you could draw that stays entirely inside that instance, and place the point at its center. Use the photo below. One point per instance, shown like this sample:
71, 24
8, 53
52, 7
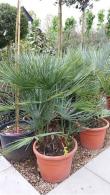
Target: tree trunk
17, 53
60, 28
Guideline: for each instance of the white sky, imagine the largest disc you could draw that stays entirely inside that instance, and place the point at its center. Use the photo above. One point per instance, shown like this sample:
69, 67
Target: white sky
45, 8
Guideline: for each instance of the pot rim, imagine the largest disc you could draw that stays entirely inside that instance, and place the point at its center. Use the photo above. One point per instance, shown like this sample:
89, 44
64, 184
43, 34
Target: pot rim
107, 96
14, 134
43, 156
97, 128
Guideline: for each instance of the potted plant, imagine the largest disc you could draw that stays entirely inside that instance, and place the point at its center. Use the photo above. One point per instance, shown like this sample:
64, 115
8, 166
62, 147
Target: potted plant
100, 60
93, 128
93, 137
54, 120
104, 78
46, 82
16, 129
56, 147
8, 133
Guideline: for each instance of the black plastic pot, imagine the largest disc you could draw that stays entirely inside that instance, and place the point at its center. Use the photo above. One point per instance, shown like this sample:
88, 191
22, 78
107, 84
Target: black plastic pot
20, 154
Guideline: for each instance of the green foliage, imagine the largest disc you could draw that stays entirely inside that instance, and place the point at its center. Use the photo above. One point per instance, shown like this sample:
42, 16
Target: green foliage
35, 24
89, 98
82, 5
71, 39
101, 18
54, 26
97, 38
100, 60
89, 94
53, 32
108, 25
36, 40
45, 82
89, 21
8, 24
69, 34
70, 24
36, 20
89, 101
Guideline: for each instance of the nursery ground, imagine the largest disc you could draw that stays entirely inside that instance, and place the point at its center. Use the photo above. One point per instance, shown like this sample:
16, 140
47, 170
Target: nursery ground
29, 169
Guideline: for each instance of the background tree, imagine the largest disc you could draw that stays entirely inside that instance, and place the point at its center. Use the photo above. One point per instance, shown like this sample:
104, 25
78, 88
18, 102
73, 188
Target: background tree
101, 18
108, 25
70, 35
89, 21
81, 5
36, 40
52, 32
54, 26
8, 23
70, 24
69, 32
60, 28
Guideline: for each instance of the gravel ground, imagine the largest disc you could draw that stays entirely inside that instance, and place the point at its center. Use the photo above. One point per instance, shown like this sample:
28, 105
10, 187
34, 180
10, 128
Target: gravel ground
29, 169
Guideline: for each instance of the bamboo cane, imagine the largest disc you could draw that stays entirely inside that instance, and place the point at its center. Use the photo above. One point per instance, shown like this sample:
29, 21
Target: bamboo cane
17, 53
60, 28
83, 30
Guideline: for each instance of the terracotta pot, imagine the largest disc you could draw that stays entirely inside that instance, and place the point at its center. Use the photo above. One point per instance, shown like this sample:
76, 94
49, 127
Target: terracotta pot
93, 138
54, 169
108, 102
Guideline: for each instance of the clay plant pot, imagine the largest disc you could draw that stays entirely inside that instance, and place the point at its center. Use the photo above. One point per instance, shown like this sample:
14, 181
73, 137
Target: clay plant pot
108, 102
93, 138
20, 154
54, 169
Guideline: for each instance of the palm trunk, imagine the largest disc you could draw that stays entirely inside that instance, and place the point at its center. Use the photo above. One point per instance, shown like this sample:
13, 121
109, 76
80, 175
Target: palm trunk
17, 52
83, 29
60, 28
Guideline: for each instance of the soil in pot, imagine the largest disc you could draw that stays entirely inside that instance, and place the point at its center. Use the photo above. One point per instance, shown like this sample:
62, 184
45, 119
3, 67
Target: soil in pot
8, 135
54, 158
54, 145
9, 116
93, 137
11, 129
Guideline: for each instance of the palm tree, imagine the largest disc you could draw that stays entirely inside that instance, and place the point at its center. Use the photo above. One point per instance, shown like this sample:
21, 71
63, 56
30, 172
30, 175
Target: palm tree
46, 83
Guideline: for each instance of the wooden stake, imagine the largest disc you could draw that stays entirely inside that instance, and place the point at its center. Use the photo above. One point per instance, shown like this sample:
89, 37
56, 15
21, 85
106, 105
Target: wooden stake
17, 53
60, 28
83, 30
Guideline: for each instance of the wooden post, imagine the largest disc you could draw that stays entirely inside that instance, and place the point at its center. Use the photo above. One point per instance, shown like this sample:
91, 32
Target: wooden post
17, 53
60, 28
